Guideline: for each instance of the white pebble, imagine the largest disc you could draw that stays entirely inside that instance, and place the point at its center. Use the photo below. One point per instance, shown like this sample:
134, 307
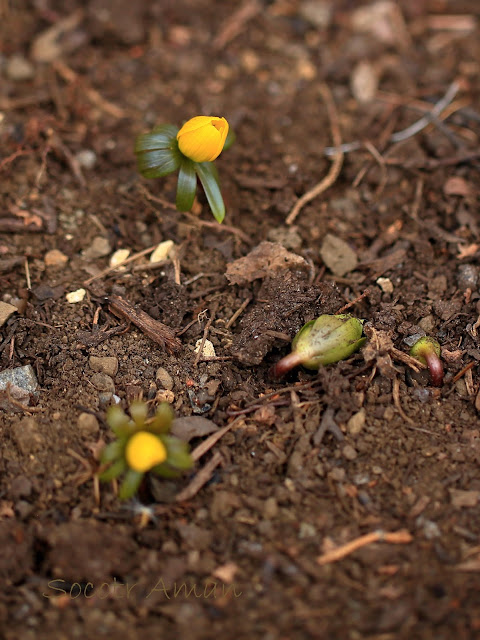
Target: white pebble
76, 296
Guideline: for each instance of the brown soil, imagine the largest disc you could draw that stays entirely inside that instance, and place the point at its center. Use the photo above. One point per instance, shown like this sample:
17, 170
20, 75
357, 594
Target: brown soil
312, 461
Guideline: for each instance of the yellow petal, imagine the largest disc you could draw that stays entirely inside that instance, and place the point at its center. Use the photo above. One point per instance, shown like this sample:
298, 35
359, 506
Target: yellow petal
144, 451
202, 138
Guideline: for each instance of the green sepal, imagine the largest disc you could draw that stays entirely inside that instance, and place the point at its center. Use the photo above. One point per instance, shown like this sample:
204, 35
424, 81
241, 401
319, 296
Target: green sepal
162, 420
164, 136
116, 469
113, 451
130, 484
166, 471
138, 410
207, 175
118, 420
187, 185
229, 140
178, 453
158, 162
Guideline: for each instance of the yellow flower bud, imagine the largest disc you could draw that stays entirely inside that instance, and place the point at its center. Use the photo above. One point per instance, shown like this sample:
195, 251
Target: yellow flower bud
144, 451
202, 138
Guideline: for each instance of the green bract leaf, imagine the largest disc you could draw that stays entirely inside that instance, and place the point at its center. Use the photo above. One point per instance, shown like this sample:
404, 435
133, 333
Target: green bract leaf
112, 451
162, 137
231, 137
187, 185
162, 419
130, 484
158, 163
116, 469
206, 173
178, 452
138, 411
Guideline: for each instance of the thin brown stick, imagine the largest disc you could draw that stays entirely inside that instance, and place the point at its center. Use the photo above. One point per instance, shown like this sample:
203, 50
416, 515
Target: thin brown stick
205, 333
207, 444
235, 23
70, 76
201, 478
353, 302
18, 404
463, 371
337, 162
396, 400
395, 537
238, 312
155, 330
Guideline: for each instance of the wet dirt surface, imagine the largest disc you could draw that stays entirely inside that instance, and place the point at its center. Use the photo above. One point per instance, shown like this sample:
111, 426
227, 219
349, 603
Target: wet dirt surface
310, 462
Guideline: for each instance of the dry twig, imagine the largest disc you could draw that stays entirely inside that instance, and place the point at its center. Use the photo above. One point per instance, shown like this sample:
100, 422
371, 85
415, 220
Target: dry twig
395, 537
336, 166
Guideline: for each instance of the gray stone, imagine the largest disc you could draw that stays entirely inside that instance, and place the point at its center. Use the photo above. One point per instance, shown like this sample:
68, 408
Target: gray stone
105, 364
23, 377
86, 158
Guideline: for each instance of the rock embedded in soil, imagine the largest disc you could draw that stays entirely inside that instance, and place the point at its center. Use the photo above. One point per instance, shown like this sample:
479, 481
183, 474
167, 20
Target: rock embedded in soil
99, 248
19, 69
337, 255
55, 258
102, 382
6, 311
87, 424
104, 364
164, 378
27, 436
21, 383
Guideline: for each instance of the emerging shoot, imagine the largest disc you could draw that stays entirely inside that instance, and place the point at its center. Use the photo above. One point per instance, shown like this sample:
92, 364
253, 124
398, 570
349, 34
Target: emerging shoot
323, 341
427, 351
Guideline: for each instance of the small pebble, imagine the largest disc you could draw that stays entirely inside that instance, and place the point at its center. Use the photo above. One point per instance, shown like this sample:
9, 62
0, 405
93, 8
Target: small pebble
337, 474
208, 350
467, 277
337, 255
349, 452
356, 422
6, 311
104, 364
21, 487
55, 258
385, 285
102, 382
163, 251
19, 69
164, 378
165, 395
270, 509
87, 424
99, 248
118, 257
76, 296
23, 377
86, 158
27, 437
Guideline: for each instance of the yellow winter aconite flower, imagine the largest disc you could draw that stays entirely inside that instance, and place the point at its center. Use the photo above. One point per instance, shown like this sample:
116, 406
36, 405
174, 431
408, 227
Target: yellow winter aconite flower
202, 138
144, 450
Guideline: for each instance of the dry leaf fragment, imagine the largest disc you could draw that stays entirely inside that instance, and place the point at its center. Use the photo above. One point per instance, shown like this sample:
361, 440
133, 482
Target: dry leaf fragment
267, 259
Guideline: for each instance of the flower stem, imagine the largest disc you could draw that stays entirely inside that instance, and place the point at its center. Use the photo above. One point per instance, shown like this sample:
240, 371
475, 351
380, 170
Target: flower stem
284, 365
435, 366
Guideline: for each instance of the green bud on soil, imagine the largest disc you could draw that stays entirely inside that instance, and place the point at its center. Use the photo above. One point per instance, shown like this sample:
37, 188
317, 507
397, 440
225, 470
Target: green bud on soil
323, 341
427, 351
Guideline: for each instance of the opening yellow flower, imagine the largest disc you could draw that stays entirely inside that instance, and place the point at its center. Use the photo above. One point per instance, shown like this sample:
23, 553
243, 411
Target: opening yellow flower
202, 138
144, 450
